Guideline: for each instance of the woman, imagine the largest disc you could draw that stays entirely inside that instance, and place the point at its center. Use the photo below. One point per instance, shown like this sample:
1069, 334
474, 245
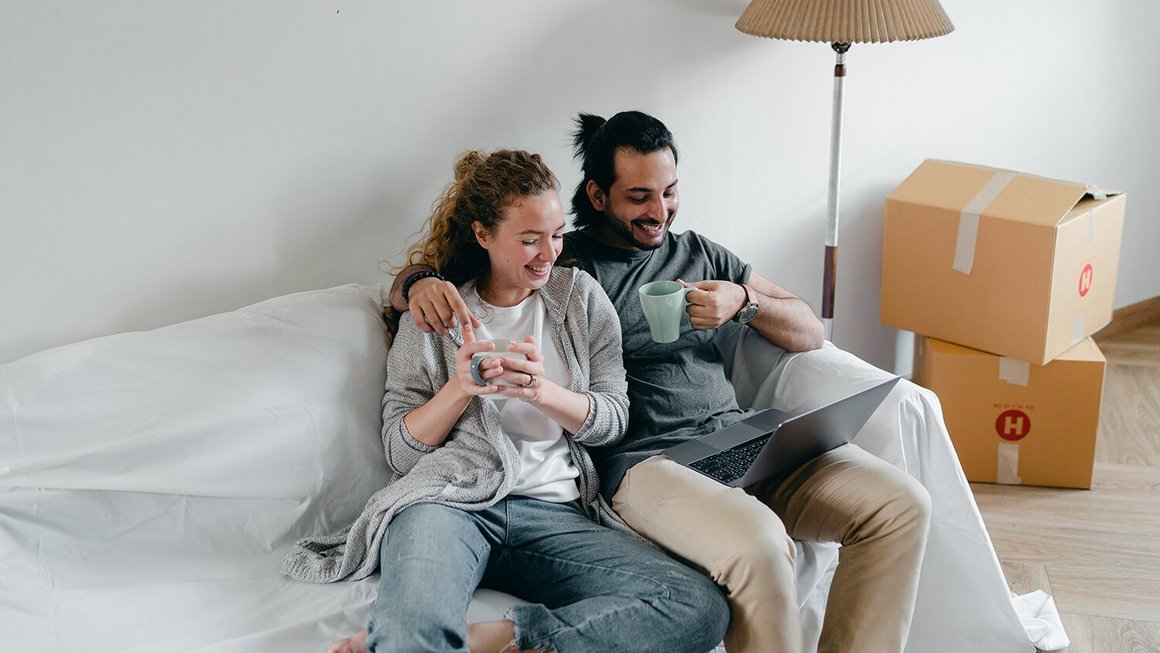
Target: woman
493, 485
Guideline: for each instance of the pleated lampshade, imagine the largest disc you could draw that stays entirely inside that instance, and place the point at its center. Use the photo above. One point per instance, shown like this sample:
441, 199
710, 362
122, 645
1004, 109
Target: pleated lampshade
845, 21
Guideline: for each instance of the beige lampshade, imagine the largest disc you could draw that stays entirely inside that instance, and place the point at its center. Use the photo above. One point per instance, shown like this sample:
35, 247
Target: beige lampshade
845, 21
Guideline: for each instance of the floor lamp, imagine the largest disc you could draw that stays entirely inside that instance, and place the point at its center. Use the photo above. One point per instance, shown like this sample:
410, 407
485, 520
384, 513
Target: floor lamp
840, 23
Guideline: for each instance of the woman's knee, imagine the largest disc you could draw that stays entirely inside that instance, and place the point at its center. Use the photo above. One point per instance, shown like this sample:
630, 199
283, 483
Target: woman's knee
423, 531
431, 560
690, 614
708, 607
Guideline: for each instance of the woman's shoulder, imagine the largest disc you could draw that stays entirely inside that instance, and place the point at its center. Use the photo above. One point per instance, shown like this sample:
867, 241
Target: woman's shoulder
568, 285
574, 278
569, 290
410, 340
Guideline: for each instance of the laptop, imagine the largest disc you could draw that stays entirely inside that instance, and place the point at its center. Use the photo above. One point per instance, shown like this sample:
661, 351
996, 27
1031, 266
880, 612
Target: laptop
772, 443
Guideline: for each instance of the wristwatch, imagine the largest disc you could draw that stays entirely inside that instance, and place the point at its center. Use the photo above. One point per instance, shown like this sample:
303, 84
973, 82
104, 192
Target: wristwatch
749, 310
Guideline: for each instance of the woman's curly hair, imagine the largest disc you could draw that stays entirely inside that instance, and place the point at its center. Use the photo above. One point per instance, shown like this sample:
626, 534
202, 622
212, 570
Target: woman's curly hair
484, 186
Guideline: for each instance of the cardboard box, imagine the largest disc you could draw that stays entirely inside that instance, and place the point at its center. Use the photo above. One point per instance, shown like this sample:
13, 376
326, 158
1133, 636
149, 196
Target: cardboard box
1014, 422
1009, 263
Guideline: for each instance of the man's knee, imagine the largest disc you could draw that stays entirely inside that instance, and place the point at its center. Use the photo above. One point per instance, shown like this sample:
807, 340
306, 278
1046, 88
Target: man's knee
912, 501
906, 508
915, 504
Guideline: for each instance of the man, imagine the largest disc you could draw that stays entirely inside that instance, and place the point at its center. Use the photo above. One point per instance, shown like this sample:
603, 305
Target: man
623, 209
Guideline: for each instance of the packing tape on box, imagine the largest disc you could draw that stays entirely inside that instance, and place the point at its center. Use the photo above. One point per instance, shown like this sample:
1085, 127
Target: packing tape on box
1007, 469
1096, 192
969, 219
1091, 227
1014, 371
1077, 330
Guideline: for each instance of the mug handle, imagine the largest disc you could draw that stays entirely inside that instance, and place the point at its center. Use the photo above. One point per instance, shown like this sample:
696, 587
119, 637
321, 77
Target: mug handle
475, 361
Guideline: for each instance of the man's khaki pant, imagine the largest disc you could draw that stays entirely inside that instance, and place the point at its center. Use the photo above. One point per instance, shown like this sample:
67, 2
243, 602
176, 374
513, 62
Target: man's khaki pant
742, 539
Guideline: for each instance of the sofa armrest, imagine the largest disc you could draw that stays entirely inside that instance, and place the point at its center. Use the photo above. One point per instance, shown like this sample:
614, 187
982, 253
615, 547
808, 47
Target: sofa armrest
766, 376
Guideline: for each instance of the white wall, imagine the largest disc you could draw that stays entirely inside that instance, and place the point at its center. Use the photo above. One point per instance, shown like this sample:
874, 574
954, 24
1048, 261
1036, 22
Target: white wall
163, 160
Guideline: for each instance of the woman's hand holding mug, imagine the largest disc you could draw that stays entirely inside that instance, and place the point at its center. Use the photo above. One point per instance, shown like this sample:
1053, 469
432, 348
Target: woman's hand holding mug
476, 374
525, 376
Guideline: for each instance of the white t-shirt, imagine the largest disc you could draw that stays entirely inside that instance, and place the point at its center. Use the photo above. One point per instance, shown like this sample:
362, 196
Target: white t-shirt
546, 469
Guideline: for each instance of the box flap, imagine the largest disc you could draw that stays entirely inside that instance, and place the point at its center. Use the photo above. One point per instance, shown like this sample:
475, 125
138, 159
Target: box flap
1019, 197
942, 184
1084, 350
947, 348
1035, 200
1091, 202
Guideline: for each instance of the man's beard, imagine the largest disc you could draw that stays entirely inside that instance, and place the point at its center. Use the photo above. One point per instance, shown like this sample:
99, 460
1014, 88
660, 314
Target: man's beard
624, 231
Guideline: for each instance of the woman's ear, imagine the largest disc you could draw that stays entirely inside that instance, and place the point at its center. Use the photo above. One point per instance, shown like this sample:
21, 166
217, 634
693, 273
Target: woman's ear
481, 235
595, 195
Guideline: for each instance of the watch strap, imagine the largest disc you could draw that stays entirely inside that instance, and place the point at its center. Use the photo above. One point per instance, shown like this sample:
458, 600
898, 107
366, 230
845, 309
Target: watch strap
750, 306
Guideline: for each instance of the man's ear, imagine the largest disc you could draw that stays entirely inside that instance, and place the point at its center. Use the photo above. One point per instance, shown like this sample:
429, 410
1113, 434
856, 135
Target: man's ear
595, 195
481, 234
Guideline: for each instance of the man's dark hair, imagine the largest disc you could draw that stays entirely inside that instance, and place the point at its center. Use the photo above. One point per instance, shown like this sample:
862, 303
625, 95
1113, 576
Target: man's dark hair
595, 142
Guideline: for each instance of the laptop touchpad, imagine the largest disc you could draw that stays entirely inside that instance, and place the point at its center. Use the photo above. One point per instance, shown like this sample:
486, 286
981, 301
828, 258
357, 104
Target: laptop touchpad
733, 435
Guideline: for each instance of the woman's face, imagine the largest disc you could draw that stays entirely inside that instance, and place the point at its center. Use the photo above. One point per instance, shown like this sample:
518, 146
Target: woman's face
522, 247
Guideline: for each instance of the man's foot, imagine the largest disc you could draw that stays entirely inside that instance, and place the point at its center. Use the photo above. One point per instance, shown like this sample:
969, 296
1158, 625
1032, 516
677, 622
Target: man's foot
356, 643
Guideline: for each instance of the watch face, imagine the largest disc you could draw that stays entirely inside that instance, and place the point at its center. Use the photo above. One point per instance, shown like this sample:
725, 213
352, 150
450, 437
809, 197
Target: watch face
746, 314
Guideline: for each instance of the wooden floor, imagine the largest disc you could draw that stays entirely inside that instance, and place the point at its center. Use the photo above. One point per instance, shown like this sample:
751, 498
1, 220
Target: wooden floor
1097, 552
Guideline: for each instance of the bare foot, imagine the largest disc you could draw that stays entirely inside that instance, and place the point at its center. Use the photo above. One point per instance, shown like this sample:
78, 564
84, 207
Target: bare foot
356, 643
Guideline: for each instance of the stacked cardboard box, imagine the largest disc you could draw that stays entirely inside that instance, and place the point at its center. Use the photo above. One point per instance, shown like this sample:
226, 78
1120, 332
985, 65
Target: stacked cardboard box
1017, 271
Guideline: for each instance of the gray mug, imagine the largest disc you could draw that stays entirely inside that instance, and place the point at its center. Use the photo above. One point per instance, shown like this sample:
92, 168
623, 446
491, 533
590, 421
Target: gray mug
664, 305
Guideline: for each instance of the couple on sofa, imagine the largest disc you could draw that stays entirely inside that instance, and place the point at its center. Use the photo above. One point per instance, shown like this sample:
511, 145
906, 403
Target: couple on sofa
544, 488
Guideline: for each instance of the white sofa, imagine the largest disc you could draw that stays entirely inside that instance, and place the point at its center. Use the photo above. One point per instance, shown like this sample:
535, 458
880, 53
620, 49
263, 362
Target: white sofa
151, 482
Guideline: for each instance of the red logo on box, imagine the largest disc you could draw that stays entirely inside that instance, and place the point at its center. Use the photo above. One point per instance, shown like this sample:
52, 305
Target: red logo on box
1085, 279
1013, 425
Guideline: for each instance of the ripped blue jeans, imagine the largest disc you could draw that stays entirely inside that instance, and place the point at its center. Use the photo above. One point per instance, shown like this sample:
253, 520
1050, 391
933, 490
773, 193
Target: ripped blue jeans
589, 588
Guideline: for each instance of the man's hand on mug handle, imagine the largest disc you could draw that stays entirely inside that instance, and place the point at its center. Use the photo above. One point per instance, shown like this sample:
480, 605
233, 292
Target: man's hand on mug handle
436, 306
713, 303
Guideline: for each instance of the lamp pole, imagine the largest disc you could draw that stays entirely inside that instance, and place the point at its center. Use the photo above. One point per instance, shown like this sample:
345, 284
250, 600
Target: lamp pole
830, 264
840, 23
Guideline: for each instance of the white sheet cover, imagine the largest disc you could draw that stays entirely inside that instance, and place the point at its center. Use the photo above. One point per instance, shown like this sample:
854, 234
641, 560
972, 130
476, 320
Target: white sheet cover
964, 604
151, 482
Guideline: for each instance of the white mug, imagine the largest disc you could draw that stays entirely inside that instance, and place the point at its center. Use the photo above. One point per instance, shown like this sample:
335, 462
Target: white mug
501, 345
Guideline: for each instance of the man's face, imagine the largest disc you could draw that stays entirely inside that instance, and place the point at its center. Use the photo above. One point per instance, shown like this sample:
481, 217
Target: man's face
642, 201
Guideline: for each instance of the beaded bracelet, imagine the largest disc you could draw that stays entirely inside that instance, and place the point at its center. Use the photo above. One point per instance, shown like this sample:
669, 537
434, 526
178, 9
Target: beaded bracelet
415, 277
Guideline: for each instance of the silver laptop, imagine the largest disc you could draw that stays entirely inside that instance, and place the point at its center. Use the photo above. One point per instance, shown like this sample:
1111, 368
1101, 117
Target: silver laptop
772, 443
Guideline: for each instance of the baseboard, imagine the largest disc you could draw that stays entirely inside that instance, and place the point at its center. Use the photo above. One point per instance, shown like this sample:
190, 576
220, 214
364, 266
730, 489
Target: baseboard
1130, 318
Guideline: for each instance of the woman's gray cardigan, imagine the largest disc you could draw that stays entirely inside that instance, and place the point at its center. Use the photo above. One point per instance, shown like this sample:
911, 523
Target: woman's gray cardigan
478, 465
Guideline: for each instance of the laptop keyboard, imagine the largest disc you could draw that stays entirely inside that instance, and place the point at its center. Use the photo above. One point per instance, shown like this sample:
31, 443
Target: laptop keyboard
730, 465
